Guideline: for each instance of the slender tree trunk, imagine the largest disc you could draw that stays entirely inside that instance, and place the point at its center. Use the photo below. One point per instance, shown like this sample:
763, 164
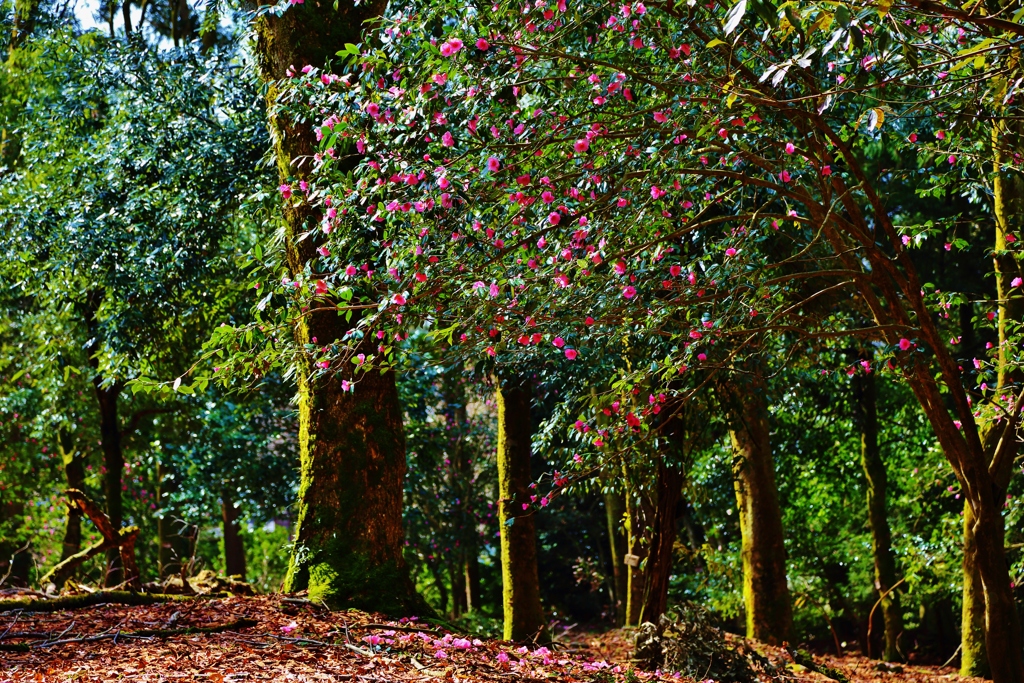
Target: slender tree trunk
174, 543
472, 578
634, 557
74, 473
113, 463
458, 574
234, 549
669, 488
615, 508
126, 15
524, 617
348, 534
765, 590
878, 519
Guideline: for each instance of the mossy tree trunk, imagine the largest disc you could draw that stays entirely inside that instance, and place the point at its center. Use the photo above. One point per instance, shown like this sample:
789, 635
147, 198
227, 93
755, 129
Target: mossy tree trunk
878, 518
765, 591
348, 533
524, 617
1008, 203
234, 549
615, 508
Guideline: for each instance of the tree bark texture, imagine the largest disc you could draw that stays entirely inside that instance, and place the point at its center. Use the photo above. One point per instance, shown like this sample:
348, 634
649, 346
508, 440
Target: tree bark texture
765, 591
524, 617
348, 536
669, 489
878, 518
234, 549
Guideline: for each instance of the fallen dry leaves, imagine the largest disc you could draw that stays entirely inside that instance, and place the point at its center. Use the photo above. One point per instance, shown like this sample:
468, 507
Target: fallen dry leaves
293, 640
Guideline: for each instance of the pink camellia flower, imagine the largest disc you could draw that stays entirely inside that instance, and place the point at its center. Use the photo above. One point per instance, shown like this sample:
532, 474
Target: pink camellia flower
905, 344
571, 354
619, 267
372, 108
784, 176
826, 171
1016, 282
289, 628
493, 165
441, 654
952, 159
450, 47
399, 300
730, 252
599, 100
558, 341
554, 217
447, 140
629, 291
490, 351
581, 145
323, 251
675, 271
657, 192
912, 137
286, 191
547, 197
905, 239
541, 243
494, 290
790, 148
321, 287
351, 270
941, 135
661, 116
482, 44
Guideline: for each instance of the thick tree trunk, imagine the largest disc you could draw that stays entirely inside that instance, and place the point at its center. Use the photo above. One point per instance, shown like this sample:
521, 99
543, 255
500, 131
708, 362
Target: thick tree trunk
973, 660
669, 488
765, 590
234, 549
113, 463
878, 518
348, 536
982, 607
524, 617
615, 508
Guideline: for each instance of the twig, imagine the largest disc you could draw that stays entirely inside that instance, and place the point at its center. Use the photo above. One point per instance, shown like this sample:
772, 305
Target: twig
68, 602
154, 633
17, 615
953, 656
408, 629
871, 614
10, 564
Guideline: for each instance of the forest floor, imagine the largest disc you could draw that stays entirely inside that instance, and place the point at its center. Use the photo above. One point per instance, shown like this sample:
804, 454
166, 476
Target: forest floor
274, 638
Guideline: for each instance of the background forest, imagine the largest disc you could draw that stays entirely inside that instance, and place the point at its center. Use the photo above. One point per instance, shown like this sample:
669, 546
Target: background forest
525, 316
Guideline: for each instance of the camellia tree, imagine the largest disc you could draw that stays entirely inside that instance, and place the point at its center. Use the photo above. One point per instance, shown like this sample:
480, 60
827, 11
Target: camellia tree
557, 179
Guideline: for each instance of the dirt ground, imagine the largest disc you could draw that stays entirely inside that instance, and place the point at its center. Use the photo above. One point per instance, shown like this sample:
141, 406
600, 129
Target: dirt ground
276, 638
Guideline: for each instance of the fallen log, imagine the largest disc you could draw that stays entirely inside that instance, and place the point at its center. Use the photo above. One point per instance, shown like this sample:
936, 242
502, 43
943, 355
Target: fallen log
143, 633
69, 602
